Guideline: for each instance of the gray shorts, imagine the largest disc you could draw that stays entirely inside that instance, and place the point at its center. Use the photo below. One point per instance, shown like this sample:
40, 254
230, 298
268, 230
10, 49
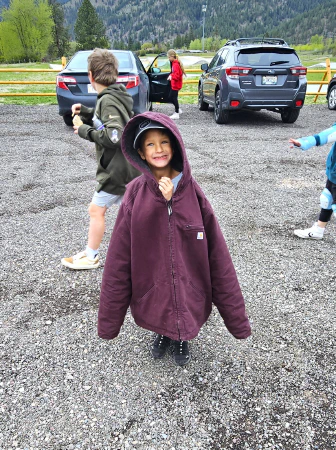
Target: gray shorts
105, 200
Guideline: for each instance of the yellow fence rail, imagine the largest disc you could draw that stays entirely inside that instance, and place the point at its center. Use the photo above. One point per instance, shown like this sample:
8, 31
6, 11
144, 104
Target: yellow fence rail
327, 75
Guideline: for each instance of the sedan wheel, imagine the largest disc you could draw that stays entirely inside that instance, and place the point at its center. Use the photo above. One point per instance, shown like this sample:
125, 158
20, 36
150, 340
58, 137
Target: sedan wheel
221, 115
202, 106
332, 98
68, 120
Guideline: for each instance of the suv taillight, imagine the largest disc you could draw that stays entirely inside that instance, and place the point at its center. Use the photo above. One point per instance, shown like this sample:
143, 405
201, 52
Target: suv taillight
130, 80
62, 82
299, 71
236, 72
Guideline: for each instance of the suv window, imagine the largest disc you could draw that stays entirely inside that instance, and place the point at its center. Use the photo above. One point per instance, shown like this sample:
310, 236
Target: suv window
214, 60
222, 57
267, 57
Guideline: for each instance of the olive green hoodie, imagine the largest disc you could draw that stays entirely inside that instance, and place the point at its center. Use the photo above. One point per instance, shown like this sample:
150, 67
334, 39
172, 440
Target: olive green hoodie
113, 109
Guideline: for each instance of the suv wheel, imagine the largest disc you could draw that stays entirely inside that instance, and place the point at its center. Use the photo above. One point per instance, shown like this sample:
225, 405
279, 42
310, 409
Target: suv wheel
332, 98
221, 115
289, 115
68, 120
202, 106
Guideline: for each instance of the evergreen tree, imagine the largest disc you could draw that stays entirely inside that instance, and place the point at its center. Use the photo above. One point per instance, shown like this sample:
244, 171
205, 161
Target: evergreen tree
89, 28
61, 43
178, 41
130, 43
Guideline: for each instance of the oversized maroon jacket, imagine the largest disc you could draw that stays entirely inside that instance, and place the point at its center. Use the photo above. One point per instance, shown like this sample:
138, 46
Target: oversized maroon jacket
167, 261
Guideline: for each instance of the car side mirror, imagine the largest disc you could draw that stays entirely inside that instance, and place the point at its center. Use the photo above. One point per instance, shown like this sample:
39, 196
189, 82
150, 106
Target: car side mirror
204, 67
155, 70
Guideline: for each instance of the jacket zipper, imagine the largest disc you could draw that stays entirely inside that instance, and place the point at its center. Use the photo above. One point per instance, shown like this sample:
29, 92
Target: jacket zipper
170, 212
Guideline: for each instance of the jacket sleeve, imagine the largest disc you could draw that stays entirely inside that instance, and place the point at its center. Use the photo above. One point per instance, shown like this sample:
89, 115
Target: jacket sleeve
116, 290
324, 137
110, 135
226, 293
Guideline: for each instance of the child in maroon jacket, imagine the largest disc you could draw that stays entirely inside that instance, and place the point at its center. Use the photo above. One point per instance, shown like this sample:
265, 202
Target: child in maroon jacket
167, 259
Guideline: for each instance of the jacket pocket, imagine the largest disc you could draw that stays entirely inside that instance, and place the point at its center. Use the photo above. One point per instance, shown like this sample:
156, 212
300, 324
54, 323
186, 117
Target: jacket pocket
189, 227
200, 295
102, 176
146, 295
194, 238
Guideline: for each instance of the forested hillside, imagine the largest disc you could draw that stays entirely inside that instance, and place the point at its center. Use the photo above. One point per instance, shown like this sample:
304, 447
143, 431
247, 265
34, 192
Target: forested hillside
157, 20
320, 20
163, 20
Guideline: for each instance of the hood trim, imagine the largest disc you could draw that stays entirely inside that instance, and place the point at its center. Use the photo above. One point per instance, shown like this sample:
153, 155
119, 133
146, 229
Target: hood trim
133, 156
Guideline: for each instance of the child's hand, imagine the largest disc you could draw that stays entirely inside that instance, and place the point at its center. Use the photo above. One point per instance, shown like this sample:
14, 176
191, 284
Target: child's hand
75, 108
166, 187
75, 127
294, 143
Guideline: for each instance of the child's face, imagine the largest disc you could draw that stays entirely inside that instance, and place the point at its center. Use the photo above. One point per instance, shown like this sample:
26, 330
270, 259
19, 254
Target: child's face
156, 149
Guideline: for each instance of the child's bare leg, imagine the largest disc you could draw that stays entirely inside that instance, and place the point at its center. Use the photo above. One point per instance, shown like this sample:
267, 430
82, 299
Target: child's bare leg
97, 226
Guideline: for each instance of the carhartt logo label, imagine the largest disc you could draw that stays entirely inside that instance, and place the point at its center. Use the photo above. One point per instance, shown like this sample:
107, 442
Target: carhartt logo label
200, 235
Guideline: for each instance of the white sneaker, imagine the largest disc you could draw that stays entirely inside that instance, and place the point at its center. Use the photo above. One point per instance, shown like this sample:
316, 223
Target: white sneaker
180, 111
80, 262
175, 116
315, 232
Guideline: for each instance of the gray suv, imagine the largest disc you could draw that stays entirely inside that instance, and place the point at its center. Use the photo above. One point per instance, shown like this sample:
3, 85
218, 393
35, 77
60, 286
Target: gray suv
254, 74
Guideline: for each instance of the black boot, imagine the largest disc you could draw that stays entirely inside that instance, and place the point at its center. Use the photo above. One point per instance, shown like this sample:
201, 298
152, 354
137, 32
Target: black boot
181, 353
160, 346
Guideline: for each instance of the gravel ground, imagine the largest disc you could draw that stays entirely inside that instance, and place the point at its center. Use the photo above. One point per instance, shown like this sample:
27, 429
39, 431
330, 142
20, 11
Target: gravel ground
64, 388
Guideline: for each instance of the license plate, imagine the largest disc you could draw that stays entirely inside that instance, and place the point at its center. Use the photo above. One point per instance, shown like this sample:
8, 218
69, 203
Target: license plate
91, 90
269, 79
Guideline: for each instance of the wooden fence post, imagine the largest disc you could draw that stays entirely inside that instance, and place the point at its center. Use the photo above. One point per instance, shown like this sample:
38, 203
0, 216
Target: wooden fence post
328, 69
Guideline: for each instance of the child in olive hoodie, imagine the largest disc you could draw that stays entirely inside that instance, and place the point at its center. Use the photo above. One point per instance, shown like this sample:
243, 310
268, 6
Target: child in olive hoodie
103, 125
167, 259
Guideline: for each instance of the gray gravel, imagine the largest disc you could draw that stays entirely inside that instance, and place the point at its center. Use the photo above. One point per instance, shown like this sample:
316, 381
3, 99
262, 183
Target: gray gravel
64, 388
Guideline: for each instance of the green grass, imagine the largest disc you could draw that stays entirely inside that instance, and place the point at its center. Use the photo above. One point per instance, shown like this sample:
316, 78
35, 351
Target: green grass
28, 88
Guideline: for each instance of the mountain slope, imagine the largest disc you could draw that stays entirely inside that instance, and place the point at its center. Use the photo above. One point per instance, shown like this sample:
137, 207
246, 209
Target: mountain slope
319, 20
164, 20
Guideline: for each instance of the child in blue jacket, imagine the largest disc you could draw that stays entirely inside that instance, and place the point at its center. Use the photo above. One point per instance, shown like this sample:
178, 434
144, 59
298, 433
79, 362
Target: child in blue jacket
328, 195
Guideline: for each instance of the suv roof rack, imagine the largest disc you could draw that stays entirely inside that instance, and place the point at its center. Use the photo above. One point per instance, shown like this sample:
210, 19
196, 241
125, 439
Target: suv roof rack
257, 40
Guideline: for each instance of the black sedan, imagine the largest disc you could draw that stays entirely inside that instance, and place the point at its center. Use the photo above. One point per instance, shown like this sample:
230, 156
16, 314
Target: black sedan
145, 87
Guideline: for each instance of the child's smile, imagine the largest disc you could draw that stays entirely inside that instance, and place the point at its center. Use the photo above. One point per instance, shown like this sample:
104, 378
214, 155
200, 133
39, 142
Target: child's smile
156, 149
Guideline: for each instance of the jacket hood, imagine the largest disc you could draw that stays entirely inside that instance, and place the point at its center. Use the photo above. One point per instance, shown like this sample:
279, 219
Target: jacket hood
119, 92
179, 161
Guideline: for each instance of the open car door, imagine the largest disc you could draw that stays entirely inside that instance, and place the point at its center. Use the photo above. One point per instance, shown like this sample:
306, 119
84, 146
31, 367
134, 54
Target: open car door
158, 73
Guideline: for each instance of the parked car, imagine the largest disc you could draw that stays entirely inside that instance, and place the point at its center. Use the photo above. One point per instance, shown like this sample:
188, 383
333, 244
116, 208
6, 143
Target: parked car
254, 74
331, 93
145, 87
